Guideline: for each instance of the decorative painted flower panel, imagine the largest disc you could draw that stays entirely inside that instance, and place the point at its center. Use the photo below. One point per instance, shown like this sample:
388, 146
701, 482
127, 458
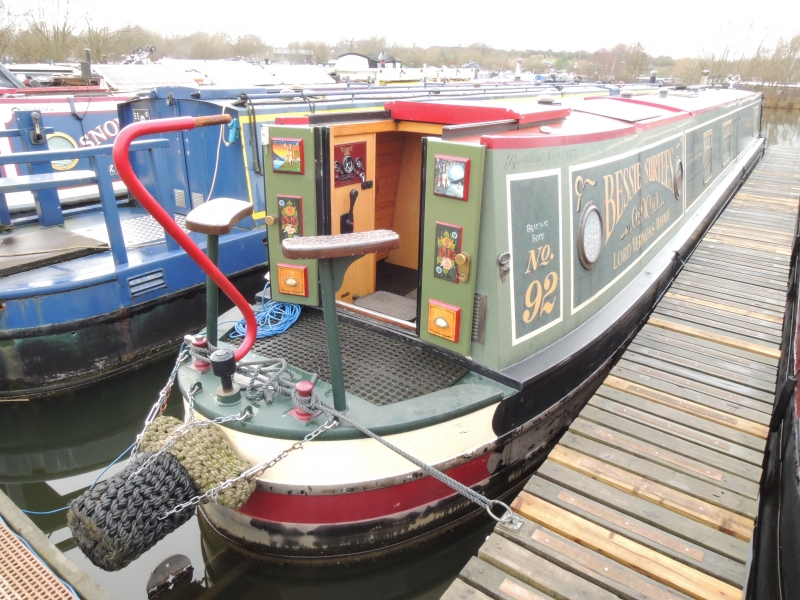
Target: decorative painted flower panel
448, 244
291, 223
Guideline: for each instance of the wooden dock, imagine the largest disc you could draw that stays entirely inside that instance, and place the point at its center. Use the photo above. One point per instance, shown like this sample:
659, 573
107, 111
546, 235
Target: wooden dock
652, 493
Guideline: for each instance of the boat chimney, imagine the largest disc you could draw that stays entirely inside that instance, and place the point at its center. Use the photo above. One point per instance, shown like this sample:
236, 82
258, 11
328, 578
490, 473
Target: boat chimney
662, 93
653, 74
518, 72
86, 66
704, 78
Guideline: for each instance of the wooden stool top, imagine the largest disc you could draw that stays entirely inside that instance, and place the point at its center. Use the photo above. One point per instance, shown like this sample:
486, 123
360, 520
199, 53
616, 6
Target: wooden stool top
218, 216
338, 246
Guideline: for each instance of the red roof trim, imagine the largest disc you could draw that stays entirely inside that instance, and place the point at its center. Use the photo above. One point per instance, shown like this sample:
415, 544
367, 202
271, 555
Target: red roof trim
462, 114
648, 125
518, 142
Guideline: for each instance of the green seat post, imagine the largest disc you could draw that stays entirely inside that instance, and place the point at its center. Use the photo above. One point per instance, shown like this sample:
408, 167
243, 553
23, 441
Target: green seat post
212, 293
328, 291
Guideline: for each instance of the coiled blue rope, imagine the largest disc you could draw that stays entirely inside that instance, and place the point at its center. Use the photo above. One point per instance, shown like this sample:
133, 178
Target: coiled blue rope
272, 318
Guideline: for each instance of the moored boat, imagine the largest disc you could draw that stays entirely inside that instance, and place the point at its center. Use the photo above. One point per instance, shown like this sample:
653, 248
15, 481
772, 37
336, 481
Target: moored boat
533, 240
100, 288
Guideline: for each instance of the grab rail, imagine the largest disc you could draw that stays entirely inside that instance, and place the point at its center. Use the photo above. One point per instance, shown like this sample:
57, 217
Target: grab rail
122, 146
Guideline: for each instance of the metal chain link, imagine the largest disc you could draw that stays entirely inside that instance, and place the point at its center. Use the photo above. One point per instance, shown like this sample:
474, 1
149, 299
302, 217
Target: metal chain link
161, 404
251, 472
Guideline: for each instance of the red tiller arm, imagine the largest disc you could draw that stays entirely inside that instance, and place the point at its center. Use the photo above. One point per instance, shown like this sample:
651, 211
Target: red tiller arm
123, 164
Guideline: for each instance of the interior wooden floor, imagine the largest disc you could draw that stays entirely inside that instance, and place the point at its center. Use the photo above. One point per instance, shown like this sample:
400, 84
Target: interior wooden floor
652, 493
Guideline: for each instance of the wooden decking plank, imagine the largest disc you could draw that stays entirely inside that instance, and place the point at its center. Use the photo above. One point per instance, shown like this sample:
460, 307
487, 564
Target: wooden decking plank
741, 290
690, 466
729, 327
696, 375
683, 418
744, 254
714, 368
710, 310
537, 572
732, 279
704, 356
703, 332
629, 407
624, 551
491, 582
603, 572
728, 353
647, 512
689, 506
705, 288
731, 274
459, 590
685, 551
727, 241
700, 393
651, 388
705, 491
717, 253
660, 439
730, 307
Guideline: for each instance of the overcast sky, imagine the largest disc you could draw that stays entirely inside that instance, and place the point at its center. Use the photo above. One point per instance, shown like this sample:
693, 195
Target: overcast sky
677, 27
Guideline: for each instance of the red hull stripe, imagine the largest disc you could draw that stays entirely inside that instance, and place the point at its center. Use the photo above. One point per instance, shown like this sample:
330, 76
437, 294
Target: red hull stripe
361, 506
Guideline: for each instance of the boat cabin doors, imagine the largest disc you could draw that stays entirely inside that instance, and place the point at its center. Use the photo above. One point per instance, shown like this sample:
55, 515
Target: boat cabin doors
372, 175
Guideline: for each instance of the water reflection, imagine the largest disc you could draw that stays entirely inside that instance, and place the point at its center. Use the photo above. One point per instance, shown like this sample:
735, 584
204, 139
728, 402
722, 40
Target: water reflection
781, 126
52, 450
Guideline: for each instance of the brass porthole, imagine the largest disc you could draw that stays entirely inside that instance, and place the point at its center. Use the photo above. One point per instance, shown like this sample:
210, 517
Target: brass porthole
677, 184
62, 141
590, 235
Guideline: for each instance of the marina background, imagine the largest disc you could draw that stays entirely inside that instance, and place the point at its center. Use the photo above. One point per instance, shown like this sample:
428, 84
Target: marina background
53, 449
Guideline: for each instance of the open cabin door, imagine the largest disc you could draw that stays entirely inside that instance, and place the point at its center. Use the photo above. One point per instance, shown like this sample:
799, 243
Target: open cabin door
291, 204
453, 190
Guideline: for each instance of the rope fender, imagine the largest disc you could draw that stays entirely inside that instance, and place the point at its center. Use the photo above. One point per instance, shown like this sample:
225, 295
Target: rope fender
116, 521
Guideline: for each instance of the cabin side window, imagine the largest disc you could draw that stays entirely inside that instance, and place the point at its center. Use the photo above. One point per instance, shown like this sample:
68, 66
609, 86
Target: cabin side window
727, 139
708, 137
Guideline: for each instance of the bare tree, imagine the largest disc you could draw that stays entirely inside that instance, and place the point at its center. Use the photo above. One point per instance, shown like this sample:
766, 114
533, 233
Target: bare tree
104, 41
8, 28
51, 30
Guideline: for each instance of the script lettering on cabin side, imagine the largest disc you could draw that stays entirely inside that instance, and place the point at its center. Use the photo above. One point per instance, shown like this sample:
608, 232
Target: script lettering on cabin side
534, 227
635, 199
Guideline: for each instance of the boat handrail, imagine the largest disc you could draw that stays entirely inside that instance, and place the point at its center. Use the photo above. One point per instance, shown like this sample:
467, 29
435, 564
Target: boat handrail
71, 154
122, 146
49, 210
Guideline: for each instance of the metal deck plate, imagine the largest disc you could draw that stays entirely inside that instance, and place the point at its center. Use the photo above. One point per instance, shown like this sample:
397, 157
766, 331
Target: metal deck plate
376, 368
22, 575
139, 231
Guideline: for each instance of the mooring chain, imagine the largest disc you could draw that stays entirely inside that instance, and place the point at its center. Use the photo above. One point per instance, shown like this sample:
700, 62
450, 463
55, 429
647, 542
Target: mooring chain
246, 413
251, 472
161, 404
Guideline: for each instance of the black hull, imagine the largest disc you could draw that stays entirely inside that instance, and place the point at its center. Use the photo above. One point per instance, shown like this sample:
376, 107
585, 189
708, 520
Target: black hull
54, 359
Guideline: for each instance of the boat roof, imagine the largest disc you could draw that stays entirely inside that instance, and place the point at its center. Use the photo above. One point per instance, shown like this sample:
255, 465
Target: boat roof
585, 120
461, 112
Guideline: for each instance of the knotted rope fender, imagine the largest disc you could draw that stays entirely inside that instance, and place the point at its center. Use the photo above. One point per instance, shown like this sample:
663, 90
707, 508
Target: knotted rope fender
205, 454
117, 520
123, 517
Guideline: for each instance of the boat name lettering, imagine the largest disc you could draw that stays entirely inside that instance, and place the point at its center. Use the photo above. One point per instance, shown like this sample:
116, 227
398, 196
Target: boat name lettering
634, 197
534, 204
100, 134
537, 231
539, 158
660, 168
642, 211
620, 189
